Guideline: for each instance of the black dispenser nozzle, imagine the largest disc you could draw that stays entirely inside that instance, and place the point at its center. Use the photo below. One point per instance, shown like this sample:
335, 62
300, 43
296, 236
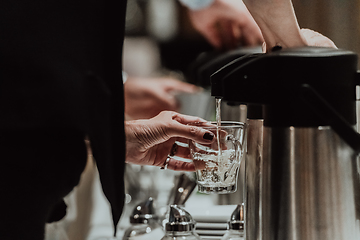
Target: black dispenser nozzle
209, 62
217, 84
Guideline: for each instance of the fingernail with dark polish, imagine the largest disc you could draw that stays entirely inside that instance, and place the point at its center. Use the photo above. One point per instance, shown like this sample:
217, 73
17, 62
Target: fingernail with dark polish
208, 136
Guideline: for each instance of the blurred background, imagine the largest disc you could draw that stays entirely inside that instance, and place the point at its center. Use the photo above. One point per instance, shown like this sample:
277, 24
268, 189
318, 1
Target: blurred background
160, 41
160, 38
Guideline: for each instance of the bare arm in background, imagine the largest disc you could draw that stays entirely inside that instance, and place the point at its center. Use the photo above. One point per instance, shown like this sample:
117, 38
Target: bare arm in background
226, 24
279, 26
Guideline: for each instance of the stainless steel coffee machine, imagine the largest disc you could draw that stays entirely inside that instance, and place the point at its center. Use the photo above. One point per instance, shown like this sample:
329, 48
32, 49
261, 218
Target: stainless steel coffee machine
308, 178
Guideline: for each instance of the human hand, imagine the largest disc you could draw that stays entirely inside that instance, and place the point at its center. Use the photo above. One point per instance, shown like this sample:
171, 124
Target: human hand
226, 24
316, 39
278, 23
147, 97
312, 38
149, 142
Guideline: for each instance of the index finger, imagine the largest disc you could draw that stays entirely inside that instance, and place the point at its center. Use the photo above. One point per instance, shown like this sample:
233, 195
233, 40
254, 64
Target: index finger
186, 119
194, 133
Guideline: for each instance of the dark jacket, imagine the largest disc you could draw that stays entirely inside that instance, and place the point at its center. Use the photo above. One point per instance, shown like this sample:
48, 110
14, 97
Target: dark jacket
60, 66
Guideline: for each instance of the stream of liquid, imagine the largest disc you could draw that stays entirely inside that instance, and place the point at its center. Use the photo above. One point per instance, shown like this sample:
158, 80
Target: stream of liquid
216, 167
218, 124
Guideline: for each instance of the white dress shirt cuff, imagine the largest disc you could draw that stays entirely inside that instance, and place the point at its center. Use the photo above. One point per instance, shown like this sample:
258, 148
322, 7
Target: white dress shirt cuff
124, 76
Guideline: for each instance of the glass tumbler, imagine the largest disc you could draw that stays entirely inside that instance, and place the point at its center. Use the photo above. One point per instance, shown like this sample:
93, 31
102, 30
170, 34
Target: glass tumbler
217, 164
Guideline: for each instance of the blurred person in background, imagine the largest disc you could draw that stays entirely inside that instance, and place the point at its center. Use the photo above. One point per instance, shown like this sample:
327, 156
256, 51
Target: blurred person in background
226, 24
